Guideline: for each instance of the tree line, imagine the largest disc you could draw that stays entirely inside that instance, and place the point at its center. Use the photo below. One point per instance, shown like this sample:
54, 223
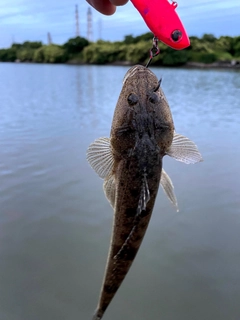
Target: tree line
132, 50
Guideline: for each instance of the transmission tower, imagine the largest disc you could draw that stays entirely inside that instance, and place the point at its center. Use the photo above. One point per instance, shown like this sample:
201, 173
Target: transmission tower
77, 23
49, 38
89, 24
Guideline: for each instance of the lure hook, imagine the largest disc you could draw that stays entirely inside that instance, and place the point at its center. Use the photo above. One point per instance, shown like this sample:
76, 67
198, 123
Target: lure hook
154, 51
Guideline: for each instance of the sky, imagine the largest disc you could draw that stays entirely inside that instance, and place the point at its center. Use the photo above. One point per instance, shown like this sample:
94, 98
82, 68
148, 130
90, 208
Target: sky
31, 20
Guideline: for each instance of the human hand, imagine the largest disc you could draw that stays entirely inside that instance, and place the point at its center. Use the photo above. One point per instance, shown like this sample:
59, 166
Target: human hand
107, 7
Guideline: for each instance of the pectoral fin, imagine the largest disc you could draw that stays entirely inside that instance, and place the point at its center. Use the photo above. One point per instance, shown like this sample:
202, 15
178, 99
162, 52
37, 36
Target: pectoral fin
100, 158
184, 150
109, 189
168, 187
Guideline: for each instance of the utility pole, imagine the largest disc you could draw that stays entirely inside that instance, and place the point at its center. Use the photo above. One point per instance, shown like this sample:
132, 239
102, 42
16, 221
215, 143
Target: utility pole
77, 23
49, 38
89, 24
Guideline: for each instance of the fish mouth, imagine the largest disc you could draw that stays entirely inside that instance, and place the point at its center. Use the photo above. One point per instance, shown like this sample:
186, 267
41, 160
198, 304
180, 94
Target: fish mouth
134, 70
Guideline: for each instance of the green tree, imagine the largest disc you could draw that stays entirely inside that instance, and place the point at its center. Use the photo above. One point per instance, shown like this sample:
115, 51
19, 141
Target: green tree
175, 58
75, 45
129, 39
32, 45
8, 55
137, 53
50, 54
54, 54
236, 46
16, 46
224, 44
208, 37
104, 52
25, 54
197, 45
38, 55
145, 37
203, 57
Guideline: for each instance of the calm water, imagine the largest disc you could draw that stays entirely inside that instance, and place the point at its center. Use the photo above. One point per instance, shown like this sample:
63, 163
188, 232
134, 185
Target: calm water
55, 223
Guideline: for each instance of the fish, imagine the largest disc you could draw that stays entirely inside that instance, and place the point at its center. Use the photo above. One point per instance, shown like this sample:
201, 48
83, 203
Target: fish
130, 162
162, 19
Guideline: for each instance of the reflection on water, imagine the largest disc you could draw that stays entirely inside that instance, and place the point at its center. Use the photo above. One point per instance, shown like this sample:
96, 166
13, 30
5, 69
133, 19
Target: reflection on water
55, 223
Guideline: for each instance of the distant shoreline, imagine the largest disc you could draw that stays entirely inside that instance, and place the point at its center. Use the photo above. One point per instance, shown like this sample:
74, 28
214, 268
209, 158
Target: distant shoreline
215, 65
207, 52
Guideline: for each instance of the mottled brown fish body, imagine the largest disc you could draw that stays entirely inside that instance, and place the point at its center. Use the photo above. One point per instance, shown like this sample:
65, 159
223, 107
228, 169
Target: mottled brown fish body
118, 263
142, 130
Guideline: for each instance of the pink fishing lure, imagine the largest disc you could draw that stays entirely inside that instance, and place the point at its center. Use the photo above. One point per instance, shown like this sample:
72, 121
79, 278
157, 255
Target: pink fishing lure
162, 19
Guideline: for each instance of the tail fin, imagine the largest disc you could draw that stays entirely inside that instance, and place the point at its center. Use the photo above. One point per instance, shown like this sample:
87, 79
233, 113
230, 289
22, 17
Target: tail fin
97, 316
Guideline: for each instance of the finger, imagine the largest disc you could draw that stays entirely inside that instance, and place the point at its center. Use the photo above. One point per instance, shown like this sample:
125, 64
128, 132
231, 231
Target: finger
118, 2
103, 6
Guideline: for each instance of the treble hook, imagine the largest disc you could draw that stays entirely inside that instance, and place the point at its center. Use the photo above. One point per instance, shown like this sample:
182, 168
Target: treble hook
154, 51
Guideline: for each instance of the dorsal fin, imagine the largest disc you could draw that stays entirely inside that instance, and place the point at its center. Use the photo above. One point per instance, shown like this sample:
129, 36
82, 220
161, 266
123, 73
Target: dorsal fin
100, 158
144, 195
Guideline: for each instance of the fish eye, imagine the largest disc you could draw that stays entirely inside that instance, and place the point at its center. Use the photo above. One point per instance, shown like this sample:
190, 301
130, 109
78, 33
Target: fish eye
132, 99
153, 98
176, 35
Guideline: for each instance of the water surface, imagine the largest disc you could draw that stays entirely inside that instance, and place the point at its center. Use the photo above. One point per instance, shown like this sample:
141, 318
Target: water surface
55, 222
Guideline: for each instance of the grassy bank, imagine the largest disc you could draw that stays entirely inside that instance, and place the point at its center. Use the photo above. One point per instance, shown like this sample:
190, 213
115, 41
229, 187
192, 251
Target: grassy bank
208, 50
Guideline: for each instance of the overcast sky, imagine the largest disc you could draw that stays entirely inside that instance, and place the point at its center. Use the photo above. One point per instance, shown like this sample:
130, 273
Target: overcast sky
23, 20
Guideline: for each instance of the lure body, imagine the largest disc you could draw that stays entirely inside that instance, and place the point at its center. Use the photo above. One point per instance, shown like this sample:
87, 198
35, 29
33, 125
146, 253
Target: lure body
164, 22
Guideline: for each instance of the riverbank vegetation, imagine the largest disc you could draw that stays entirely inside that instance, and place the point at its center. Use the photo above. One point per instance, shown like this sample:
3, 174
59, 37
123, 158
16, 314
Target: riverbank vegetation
207, 49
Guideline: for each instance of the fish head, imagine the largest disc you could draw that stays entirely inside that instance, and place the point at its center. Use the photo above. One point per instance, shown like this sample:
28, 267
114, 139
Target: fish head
141, 113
